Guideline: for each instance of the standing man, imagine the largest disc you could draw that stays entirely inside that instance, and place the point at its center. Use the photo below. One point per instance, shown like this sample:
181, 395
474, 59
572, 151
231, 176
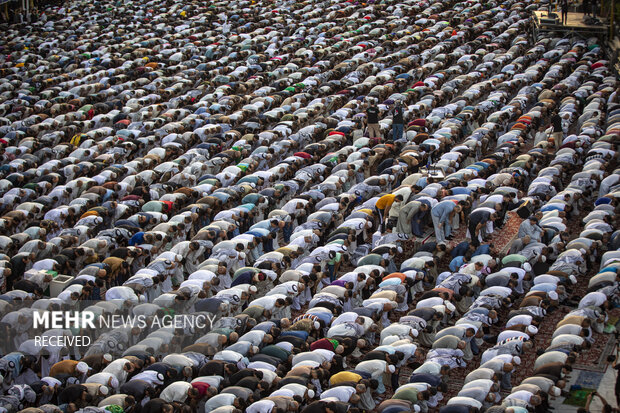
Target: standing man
372, 117
586, 8
398, 122
564, 7
556, 120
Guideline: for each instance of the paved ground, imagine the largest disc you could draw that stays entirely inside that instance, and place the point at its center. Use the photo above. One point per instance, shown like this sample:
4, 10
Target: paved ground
606, 388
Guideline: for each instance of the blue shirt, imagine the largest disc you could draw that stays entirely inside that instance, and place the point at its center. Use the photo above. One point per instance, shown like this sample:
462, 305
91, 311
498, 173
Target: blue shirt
456, 263
442, 210
482, 249
136, 239
460, 249
461, 190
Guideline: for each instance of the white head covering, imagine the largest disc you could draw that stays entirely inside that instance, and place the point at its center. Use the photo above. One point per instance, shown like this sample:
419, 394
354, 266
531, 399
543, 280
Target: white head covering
449, 306
114, 382
104, 390
527, 267
391, 368
572, 279
532, 330
81, 367
516, 360
553, 295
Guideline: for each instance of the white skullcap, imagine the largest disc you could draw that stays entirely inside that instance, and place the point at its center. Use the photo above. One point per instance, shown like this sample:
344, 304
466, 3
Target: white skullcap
114, 382
450, 306
527, 267
516, 360
582, 251
555, 391
160, 377
107, 357
391, 368
253, 289
415, 333
400, 250
104, 390
255, 349
572, 279
317, 325
532, 329
553, 295
81, 367
416, 408
310, 394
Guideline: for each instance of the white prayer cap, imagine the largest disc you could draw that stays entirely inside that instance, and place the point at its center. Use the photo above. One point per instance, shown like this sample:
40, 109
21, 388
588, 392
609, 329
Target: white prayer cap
391, 368
81, 367
104, 390
310, 393
555, 391
114, 381
553, 295
572, 279
449, 306
317, 325
416, 408
107, 357
532, 330
516, 360
527, 267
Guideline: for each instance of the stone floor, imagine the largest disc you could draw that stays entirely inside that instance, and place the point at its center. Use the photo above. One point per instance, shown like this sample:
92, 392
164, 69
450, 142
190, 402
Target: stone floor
606, 388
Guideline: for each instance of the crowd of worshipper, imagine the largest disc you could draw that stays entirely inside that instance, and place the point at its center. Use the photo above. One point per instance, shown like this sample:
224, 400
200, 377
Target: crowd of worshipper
302, 174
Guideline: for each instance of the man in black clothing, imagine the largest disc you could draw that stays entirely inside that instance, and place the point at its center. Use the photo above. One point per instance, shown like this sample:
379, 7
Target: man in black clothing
139, 389
372, 118
398, 122
478, 219
558, 132
73, 393
157, 406
564, 8
218, 368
